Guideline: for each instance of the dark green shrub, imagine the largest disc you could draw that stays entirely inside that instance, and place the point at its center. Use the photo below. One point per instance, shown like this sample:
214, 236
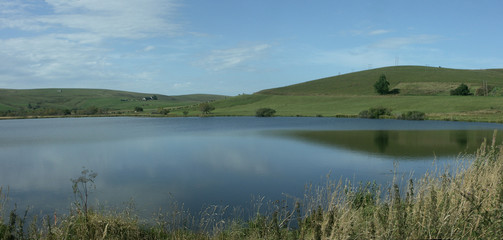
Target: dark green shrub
412, 115
375, 112
206, 108
265, 112
138, 109
163, 111
461, 90
382, 85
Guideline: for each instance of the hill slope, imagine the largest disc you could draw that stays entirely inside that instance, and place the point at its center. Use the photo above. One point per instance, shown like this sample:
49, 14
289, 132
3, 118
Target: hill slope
12, 99
411, 80
424, 89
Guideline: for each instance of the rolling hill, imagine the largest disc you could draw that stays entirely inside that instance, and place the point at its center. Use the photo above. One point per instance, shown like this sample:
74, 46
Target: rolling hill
14, 100
411, 80
424, 89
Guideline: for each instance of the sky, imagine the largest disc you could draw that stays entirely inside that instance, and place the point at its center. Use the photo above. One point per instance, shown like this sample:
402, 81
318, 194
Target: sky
230, 47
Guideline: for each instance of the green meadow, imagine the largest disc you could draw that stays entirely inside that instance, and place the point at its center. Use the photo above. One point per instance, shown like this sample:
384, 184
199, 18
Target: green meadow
461, 108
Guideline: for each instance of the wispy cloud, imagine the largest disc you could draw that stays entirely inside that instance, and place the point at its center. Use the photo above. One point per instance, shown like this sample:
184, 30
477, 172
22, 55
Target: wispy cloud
378, 54
115, 19
399, 42
53, 42
224, 59
378, 32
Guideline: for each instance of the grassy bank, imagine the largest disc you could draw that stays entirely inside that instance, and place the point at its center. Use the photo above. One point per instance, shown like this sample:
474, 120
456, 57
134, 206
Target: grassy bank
464, 204
470, 108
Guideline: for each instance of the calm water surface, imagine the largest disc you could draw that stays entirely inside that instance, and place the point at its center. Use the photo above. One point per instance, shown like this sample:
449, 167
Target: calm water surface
203, 161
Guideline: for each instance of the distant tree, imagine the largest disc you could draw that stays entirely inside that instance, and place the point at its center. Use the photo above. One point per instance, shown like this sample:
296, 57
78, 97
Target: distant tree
67, 112
154, 97
163, 111
206, 108
382, 85
265, 112
185, 113
461, 90
138, 109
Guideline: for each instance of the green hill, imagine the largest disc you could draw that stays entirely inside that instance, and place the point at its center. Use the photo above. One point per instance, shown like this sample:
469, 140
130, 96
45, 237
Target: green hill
411, 80
74, 99
424, 89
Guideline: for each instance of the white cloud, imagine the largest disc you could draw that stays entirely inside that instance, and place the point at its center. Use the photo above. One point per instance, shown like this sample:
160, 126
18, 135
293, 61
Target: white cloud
71, 43
182, 85
148, 48
379, 32
114, 19
399, 42
229, 58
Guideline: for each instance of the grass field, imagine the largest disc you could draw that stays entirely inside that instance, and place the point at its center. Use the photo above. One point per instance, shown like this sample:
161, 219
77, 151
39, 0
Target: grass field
436, 107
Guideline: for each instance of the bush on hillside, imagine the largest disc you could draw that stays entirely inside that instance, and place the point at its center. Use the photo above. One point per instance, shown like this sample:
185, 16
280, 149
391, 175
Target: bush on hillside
375, 112
412, 115
461, 90
206, 108
265, 112
382, 85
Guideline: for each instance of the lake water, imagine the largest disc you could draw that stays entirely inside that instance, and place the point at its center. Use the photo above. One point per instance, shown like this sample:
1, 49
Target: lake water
224, 161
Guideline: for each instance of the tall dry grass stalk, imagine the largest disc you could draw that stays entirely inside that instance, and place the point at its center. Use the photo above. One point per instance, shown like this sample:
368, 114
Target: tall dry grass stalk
463, 204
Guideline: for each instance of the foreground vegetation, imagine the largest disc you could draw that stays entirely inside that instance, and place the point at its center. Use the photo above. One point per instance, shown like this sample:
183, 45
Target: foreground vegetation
466, 203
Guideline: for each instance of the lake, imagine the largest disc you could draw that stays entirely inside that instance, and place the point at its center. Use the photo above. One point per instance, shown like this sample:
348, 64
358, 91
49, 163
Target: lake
215, 160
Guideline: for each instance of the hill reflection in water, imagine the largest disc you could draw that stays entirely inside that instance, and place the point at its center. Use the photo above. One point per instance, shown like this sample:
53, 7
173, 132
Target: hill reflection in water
405, 144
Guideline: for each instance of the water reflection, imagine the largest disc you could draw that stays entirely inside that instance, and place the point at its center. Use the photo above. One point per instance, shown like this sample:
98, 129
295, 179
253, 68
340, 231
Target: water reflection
212, 160
404, 144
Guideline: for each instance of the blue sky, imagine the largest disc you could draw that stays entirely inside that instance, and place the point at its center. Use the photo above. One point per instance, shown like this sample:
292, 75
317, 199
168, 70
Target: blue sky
229, 47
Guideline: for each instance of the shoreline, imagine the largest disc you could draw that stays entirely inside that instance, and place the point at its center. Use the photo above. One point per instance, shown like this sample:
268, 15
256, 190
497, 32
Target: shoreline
448, 118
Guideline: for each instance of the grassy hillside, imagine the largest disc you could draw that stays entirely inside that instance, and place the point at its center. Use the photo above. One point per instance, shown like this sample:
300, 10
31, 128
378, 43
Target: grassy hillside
424, 89
470, 108
411, 80
15, 100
